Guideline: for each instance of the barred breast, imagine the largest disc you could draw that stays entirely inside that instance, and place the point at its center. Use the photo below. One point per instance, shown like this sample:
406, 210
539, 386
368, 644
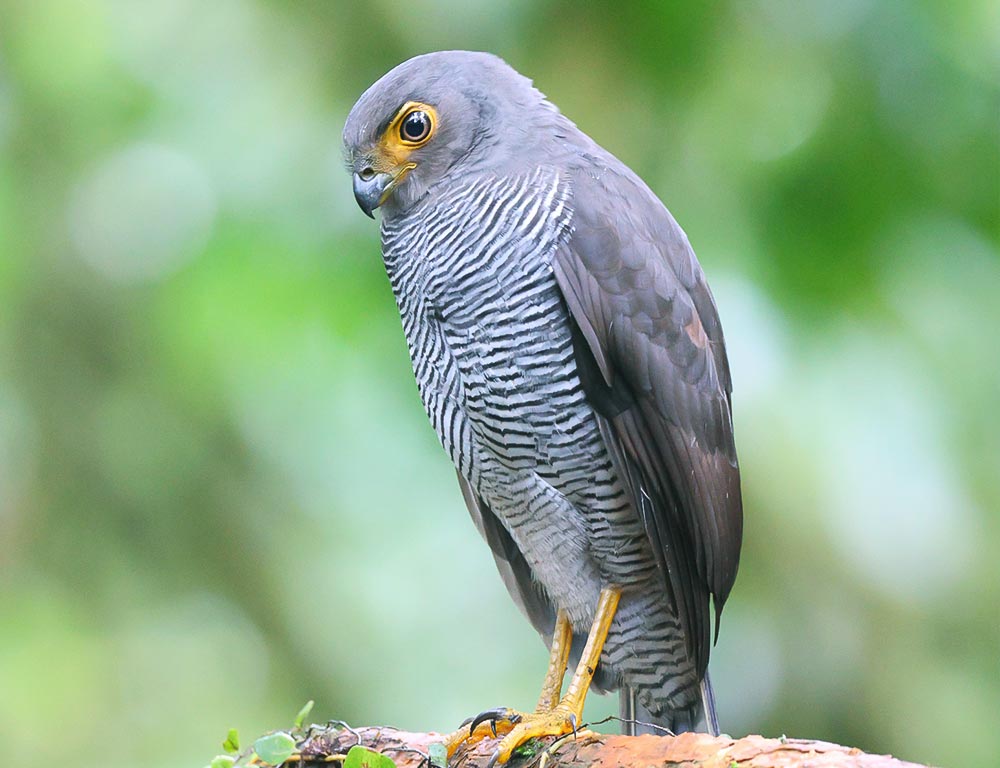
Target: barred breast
491, 346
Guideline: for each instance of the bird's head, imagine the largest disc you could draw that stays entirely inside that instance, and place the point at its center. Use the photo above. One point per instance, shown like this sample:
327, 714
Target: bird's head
436, 115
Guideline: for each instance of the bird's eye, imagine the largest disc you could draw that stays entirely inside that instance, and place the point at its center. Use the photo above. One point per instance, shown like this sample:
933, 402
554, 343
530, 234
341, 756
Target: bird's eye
416, 126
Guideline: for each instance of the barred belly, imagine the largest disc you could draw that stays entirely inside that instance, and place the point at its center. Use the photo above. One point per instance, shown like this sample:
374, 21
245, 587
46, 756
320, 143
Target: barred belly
490, 341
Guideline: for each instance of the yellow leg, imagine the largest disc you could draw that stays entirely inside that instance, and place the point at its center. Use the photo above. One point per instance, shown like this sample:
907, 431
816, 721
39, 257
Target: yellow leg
564, 717
503, 720
562, 639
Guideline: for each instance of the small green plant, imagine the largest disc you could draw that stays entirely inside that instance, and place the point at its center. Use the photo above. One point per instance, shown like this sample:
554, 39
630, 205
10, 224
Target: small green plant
300, 718
275, 748
232, 742
530, 748
438, 754
359, 757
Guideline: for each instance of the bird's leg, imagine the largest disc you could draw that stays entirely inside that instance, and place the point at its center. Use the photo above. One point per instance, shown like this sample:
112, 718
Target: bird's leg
502, 720
562, 639
565, 716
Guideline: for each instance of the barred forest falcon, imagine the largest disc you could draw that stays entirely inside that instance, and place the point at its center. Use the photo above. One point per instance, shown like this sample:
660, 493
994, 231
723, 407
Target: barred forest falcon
569, 355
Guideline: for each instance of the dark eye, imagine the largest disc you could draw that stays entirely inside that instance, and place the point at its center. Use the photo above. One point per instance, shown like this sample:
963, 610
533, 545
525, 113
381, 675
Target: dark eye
416, 126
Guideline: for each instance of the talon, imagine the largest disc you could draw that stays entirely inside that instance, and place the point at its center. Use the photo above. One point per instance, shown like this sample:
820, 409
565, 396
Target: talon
501, 721
493, 716
553, 717
490, 715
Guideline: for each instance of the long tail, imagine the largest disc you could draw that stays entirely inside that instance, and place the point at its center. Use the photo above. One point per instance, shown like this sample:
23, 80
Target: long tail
636, 719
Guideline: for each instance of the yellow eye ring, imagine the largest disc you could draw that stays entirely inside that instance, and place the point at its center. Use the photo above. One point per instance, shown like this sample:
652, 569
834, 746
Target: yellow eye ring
416, 126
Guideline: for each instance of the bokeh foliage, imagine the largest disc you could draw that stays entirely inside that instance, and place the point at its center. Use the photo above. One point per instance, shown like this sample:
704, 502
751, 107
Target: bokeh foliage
219, 496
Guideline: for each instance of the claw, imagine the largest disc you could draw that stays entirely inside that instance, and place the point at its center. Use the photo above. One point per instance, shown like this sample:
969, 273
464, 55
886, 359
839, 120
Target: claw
482, 717
492, 716
501, 720
491, 763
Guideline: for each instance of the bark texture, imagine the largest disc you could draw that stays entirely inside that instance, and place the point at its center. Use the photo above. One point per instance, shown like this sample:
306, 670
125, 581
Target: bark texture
410, 750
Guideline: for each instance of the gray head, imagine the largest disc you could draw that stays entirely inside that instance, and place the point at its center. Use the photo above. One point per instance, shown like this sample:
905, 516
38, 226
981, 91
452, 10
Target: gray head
435, 116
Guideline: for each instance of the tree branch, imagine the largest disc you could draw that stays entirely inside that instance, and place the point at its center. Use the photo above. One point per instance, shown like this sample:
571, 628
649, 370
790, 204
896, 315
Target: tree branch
322, 745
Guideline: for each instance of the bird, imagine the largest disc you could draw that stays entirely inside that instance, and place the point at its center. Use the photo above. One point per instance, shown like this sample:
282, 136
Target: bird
569, 355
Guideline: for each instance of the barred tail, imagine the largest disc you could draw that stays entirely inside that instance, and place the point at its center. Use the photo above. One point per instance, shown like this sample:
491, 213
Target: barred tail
636, 719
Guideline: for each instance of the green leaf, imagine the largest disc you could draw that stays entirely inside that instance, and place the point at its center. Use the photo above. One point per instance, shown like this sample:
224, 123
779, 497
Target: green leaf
438, 754
275, 748
232, 742
303, 714
222, 761
530, 748
359, 757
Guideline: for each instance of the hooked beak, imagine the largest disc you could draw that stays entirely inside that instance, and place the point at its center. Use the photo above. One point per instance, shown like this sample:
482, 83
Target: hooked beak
371, 189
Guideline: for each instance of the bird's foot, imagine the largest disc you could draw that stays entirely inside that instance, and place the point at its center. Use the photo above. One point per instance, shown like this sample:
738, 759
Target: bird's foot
559, 721
515, 727
492, 722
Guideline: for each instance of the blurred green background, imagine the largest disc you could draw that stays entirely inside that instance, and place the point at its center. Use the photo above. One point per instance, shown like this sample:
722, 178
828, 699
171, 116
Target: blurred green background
220, 497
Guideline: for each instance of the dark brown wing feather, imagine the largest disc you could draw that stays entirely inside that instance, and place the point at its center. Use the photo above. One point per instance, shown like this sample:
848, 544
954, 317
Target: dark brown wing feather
652, 359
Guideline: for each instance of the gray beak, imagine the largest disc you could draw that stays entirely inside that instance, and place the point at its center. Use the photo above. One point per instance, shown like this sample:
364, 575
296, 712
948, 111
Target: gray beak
369, 188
